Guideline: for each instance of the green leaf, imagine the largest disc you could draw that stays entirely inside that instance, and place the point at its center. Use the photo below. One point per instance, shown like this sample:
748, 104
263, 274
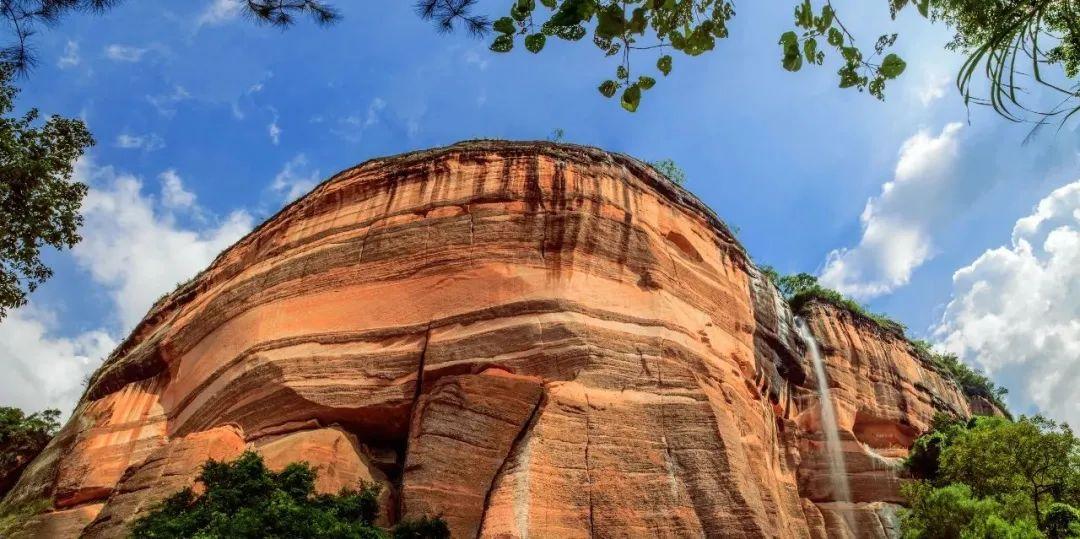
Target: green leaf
836, 38
505, 25
610, 21
810, 49
518, 13
637, 21
608, 87
550, 4
924, 7
535, 42
646, 82
502, 43
631, 97
664, 64
621, 72
792, 60
892, 66
824, 22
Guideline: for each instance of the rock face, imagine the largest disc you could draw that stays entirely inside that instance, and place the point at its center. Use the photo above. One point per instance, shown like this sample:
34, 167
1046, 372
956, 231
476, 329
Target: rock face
529, 339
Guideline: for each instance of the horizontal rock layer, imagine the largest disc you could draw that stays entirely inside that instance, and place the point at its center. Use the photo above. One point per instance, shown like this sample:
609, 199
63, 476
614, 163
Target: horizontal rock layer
528, 339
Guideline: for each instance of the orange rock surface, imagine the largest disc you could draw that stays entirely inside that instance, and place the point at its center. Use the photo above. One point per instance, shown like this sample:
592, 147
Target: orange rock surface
529, 339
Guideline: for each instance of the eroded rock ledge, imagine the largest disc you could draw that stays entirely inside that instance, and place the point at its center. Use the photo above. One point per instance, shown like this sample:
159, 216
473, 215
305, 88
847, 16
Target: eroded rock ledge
531, 339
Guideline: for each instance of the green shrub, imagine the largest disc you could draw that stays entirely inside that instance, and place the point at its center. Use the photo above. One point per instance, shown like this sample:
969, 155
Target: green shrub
244, 499
992, 477
972, 382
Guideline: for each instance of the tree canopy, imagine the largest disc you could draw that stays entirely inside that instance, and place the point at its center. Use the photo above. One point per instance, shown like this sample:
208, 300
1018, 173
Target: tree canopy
39, 201
992, 477
244, 499
22, 437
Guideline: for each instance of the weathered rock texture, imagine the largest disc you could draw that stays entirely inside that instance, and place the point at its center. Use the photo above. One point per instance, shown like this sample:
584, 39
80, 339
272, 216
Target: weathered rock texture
529, 339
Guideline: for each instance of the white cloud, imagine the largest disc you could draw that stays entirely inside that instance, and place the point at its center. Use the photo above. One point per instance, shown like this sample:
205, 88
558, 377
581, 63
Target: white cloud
274, 130
1015, 310
71, 56
166, 103
932, 88
173, 194
125, 53
43, 370
898, 223
374, 108
135, 251
293, 181
219, 12
147, 143
139, 252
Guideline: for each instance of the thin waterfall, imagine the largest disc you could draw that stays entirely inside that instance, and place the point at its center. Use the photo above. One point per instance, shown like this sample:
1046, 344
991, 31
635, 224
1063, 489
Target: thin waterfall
835, 454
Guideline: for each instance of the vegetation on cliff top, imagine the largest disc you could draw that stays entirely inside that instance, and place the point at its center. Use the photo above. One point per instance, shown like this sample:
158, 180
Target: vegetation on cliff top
991, 477
801, 288
243, 498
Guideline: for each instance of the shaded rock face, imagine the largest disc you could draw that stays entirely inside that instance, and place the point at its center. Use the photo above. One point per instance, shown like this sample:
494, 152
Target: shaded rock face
529, 339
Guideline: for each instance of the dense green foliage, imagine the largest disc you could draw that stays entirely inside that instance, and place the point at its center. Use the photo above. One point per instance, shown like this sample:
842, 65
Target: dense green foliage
244, 499
39, 202
972, 382
800, 288
22, 437
992, 477
670, 170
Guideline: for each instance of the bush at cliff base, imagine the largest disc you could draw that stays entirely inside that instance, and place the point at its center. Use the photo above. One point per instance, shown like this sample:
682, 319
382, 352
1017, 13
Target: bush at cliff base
990, 477
244, 499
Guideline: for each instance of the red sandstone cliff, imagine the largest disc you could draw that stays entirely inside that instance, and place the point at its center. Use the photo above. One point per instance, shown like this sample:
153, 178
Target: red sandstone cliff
530, 339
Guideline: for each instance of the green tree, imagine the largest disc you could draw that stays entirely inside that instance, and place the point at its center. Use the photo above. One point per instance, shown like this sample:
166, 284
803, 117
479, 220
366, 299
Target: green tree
991, 477
1033, 456
22, 437
953, 511
39, 202
244, 499
670, 170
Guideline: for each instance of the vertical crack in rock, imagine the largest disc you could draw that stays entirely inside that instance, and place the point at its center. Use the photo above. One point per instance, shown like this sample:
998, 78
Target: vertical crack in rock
588, 466
413, 412
518, 453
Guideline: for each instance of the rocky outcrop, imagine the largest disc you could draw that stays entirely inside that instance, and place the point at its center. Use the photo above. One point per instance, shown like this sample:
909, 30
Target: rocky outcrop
528, 339
885, 396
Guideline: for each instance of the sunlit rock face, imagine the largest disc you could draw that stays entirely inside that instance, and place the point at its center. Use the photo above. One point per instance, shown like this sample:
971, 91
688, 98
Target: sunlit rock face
528, 339
885, 397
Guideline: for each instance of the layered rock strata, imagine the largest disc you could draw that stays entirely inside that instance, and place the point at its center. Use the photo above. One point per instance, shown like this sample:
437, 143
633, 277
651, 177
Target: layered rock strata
528, 339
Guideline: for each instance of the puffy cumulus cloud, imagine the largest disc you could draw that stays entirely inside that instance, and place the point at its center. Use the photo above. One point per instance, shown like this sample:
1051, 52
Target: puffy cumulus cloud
44, 370
295, 179
897, 224
1015, 310
136, 249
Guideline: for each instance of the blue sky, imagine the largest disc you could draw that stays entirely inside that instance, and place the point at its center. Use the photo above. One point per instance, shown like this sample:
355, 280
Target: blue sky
207, 124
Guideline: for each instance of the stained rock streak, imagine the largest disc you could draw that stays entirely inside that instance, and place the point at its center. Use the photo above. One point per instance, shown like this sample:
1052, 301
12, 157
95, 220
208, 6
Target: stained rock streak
530, 339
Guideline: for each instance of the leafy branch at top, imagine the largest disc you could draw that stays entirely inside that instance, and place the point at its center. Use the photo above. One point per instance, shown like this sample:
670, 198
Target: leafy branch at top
857, 71
619, 28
